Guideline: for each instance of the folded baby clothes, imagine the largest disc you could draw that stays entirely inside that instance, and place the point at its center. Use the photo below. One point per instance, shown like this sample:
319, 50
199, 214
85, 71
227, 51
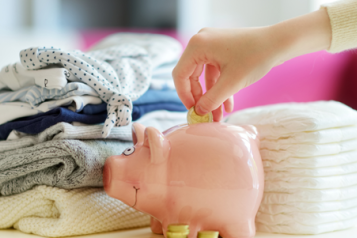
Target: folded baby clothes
61, 163
54, 212
34, 95
15, 77
309, 153
120, 73
139, 110
16, 110
158, 96
39, 122
161, 120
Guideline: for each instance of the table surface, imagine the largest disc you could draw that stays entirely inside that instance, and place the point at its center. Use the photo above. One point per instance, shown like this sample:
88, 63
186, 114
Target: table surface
146, 233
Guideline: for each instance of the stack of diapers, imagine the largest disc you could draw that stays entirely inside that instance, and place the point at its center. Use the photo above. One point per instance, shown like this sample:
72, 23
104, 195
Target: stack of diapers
309, 153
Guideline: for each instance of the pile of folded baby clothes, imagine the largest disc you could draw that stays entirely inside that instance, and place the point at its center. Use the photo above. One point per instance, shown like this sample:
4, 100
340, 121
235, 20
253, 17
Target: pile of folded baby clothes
309, 153
55, 135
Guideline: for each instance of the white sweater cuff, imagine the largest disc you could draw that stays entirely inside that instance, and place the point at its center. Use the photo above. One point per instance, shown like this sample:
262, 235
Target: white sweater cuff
343, 19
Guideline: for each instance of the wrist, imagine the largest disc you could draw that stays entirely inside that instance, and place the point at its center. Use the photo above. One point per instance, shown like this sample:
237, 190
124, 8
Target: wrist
302, 35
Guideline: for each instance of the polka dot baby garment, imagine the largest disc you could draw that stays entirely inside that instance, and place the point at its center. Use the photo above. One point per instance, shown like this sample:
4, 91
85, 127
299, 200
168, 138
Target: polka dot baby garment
119, 74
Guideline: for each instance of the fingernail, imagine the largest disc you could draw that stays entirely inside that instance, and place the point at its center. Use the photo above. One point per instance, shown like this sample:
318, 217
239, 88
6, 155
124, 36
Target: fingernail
199, 110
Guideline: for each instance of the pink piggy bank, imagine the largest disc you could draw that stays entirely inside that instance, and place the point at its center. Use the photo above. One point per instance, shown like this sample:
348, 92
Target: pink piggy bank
208, 176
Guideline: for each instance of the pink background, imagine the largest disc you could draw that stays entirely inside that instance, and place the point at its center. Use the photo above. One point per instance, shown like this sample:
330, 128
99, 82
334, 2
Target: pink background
311, 77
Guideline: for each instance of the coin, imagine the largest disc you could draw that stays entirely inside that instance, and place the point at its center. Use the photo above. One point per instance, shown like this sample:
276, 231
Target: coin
177, 231
193, 118
208, 234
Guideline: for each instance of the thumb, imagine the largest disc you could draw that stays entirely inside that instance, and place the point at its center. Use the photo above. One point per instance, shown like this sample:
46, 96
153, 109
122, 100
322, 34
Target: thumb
219, 93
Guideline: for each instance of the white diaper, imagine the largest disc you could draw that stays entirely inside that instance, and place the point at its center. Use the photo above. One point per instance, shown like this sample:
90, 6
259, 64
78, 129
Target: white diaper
286, 118
272, 151
293, 207
313, 162
316, 137
310, 195
272, 173
296, 228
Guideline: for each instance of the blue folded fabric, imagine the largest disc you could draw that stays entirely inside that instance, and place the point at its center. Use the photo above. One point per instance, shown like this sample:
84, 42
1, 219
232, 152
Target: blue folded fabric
158, 96
38, 123
141, 110
138, 110
91, 114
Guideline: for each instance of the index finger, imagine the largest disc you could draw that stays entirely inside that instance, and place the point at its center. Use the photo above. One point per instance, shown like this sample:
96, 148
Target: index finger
182, 73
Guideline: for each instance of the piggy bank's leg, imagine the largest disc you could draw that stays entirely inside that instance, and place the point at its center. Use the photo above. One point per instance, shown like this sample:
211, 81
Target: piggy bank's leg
156, 226
239, 230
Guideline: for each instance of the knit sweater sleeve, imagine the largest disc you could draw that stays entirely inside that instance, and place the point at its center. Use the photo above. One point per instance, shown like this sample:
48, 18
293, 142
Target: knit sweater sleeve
343, 19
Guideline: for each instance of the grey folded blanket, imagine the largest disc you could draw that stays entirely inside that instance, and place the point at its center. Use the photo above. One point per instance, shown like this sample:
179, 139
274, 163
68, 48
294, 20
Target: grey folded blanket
61, 163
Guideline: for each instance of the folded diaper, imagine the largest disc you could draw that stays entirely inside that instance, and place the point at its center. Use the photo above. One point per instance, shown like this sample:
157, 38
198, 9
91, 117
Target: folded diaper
61, 163
286, 118
295, 228
316, 207
274, 151
54, 212
312, 162
306, 218
310, 195
317, 137
286, 184
272, 173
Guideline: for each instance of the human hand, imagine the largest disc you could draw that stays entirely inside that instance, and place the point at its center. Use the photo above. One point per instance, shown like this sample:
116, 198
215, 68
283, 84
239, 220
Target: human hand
233, 59
236, 58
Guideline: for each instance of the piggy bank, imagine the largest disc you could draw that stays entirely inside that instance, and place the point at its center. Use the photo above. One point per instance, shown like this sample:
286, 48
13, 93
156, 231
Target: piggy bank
208, 176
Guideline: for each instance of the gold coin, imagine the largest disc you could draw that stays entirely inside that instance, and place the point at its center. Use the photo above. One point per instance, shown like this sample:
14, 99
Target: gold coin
178, 228
208, 234
193, 118
177, 234
177, 231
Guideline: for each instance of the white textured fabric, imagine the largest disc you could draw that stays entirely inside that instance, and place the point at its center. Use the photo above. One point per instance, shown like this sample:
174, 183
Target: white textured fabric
298, 228
293, 207
312, 162
317, 137
310, 195
288, 183
283, 119
275, 151
274, 173
161, 120
15, 77
55, 212
15, 110
307, 218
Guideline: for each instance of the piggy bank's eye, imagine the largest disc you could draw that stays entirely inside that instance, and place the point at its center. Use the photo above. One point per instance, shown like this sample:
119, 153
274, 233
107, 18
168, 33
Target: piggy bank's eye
129, 151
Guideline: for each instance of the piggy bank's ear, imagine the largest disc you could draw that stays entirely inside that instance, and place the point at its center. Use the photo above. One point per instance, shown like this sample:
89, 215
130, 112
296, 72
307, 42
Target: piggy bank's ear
159, 146
137, 133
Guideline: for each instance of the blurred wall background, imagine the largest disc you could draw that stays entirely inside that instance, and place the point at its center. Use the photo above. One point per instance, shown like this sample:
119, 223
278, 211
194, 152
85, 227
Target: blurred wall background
25, 23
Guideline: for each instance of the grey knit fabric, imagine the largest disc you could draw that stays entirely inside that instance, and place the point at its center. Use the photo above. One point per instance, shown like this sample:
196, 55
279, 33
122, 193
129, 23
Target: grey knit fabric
62, 131
61, 163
